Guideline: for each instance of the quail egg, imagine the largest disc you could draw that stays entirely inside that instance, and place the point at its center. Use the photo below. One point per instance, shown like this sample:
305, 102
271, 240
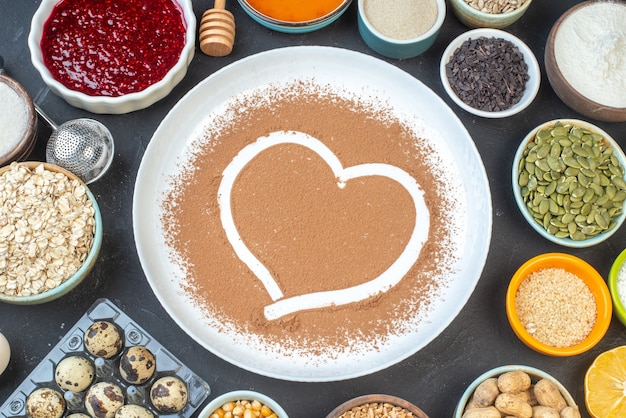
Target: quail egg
5, 353
74, 373
103, 339
133, 411
169, 394
137, 364
45, 403
78, 415
103, 399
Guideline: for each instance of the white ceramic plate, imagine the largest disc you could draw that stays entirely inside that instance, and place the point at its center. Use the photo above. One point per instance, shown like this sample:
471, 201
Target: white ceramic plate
363, 75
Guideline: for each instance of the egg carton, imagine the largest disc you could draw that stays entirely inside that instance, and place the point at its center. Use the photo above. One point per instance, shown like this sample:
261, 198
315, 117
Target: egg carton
108, 369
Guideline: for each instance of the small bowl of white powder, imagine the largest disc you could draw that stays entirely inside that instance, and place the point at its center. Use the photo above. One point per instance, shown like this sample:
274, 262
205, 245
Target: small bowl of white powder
617, 286
18, 121
400, 29
586, 68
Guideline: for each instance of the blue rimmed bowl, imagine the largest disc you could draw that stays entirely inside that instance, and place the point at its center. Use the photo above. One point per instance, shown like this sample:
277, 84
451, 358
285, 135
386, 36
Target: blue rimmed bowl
286, 26
79, 276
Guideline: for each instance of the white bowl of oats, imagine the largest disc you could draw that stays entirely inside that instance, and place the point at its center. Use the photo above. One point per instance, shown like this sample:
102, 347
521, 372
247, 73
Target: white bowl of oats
50, 232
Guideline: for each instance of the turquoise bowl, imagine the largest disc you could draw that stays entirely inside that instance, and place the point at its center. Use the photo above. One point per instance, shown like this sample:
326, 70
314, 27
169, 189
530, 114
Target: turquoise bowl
294, 27
84, 269
399, 48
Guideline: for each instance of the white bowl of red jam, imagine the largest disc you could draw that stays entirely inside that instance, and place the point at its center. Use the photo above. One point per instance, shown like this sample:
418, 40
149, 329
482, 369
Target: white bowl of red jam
112, 56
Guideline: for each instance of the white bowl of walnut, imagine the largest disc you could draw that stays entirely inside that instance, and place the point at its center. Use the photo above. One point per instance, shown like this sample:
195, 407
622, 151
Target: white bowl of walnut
50, 232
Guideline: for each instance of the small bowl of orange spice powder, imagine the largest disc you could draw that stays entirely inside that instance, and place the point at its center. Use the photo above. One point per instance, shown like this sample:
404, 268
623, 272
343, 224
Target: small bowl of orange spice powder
558, 304
294, 16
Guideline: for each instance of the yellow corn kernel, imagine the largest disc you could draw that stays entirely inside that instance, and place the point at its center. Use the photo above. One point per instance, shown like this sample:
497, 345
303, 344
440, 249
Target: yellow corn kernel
266, 411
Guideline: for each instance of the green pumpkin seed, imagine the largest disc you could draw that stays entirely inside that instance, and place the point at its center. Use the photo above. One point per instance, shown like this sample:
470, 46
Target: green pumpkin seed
601, 220
523, 178
580, 151
619, 183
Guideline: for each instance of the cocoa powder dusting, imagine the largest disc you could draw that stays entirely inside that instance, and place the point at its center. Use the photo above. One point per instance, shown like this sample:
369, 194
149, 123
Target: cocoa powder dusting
310, 234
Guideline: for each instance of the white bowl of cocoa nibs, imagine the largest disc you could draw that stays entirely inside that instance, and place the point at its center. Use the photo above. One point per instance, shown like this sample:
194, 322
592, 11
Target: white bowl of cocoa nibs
489, 13
490, 73
50, 232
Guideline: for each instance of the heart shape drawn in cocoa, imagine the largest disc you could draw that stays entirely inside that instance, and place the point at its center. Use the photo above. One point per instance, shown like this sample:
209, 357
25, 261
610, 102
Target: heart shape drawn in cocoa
316, 300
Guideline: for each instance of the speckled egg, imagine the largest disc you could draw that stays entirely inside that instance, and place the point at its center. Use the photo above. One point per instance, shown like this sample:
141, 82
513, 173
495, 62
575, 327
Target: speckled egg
78, 415
133, 411
169, 394
137, 365
103, 399
45, 403
103, 339
74, 373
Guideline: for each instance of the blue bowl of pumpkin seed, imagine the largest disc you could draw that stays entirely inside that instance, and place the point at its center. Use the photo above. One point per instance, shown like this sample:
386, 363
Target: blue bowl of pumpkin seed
569, 182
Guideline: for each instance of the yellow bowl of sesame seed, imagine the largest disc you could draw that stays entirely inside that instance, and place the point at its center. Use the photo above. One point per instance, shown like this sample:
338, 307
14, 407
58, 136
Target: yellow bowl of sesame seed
50, 232
558, 304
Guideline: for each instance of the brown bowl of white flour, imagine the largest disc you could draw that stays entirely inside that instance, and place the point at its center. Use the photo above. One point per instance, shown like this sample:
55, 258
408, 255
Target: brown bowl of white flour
586, 68
18, 121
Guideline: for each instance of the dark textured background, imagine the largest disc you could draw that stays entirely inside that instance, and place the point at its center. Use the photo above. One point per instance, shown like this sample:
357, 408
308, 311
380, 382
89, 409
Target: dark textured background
435, 377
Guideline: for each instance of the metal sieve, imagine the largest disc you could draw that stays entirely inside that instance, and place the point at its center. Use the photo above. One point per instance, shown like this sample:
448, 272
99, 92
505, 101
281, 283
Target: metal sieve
83, 146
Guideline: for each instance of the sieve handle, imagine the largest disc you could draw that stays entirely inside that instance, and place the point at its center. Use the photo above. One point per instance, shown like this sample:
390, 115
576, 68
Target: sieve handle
45, 117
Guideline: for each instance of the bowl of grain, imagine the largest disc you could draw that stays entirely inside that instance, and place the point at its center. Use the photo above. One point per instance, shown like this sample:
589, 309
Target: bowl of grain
568, 179
111, 64
617, 286
18, 121
295, 17
490, 73
400, 29
496, 14
378, 405
586, 69
50, 232
558, 304
243, 404
514, 390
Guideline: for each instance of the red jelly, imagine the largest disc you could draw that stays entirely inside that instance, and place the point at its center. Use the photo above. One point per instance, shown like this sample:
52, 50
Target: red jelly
112, 47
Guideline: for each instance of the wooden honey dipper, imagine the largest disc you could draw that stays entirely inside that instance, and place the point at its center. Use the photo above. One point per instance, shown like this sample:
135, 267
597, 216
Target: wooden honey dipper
217, 30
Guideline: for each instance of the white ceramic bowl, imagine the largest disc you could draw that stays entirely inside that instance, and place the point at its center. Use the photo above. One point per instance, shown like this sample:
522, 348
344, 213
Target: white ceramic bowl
532, 85
107, 104
241, 395
519, 199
